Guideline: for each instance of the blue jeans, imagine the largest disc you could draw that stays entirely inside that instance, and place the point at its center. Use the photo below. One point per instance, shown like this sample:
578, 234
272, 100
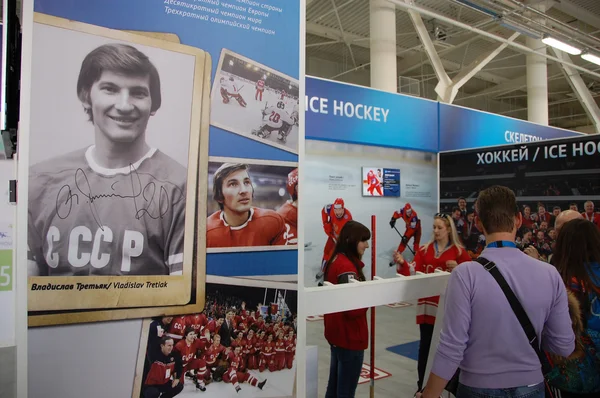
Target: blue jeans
344, 372
537, 391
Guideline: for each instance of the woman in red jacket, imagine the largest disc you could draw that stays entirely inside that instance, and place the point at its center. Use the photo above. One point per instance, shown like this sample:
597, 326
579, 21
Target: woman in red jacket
347, 331
443, 252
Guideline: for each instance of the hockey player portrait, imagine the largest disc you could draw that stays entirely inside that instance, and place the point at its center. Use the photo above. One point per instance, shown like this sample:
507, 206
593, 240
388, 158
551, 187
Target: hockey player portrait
238, 222
413, 228
116, 207
373, 183
289, 211
334, 216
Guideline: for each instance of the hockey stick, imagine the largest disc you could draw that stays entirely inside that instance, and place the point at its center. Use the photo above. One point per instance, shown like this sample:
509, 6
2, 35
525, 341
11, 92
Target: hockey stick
402, 236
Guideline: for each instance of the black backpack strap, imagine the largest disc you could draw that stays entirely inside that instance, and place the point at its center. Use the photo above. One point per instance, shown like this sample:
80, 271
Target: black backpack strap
517, 308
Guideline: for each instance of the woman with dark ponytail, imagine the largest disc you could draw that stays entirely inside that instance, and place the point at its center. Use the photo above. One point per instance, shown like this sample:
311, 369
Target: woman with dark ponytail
347, 331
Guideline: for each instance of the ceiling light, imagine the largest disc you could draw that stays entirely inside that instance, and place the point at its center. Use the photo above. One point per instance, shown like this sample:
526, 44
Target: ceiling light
591, 58
550, 41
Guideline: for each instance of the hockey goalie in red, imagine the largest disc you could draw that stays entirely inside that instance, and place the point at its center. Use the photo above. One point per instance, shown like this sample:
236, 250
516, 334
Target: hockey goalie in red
413, 227
289, 211
374, 182
239, 223
334, 217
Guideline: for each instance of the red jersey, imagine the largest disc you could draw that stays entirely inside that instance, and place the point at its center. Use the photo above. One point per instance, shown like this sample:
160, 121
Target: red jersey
212, 326
412, 221
196, 322
546, 217
427, 262
238, 343
594, 217
236, 362
202, 344
289, 212
249, 346
161, 371
333, 225
528, 222
372, 179
177, 327
212, 353
268, 349
186, 351
260, 85
263, 228
280, 346
290, 344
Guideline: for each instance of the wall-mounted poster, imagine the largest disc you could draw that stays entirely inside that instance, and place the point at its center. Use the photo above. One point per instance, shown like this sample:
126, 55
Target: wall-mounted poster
251, 205
235, 346
337, 173
255, 101
380, 181
119, 154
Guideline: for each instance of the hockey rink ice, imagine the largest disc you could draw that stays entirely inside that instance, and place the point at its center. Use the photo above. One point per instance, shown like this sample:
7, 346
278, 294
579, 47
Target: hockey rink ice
235, 118
279, 384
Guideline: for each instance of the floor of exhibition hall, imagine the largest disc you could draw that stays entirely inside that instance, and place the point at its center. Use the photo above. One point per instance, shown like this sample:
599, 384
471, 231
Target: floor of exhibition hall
393, 327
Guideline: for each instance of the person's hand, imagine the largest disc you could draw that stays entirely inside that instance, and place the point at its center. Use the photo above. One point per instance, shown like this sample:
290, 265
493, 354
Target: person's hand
451, 264
399, 259
532, 252
175, 383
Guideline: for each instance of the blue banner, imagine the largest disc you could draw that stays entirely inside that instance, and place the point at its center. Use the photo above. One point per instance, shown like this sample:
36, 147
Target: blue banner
359, 115
464, 128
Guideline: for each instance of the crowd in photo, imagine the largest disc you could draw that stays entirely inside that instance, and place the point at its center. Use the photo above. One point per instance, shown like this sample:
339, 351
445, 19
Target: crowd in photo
538, 229
221, 344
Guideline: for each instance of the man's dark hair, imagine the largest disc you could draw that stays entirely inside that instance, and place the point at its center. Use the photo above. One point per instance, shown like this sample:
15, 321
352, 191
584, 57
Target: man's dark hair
187, 331
118, 58
557, 208
497, 208
164, 339
455, 208
461, 198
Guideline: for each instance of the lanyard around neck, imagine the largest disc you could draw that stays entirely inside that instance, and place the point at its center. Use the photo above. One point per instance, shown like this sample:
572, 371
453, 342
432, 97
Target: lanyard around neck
502, 243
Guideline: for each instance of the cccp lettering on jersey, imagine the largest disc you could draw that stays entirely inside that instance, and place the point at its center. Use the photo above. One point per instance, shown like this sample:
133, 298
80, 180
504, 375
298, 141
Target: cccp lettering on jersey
133, 246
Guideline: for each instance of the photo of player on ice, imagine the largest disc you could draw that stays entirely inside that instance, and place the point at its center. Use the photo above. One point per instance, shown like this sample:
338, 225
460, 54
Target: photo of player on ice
231, 89
334, 217
373, 181
236, 346
266, 102
249, 207
413, 229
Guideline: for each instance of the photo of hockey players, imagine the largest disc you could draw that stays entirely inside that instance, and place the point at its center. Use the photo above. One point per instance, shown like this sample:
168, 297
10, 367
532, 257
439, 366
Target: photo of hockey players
115, 157
544, 187
255, 101
372, 181
242, 345
252, 204
336, 187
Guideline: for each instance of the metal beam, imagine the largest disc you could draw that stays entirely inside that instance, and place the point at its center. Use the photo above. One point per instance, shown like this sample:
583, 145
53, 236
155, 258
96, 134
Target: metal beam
363, 41
580, 89
568, 7
477, 65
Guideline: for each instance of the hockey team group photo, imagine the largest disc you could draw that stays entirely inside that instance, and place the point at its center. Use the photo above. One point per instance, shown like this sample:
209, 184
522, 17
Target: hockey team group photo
255, 101
243, 344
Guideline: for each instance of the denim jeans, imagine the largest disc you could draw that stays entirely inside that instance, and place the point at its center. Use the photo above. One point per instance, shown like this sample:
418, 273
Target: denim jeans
537, 391
344, 372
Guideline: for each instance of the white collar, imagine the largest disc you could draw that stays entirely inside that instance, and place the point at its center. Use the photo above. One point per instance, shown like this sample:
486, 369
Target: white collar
121, 170
222, 217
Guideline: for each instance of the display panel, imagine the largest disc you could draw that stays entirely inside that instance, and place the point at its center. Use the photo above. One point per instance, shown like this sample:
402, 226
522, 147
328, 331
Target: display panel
378, 181
112, 199
547, 178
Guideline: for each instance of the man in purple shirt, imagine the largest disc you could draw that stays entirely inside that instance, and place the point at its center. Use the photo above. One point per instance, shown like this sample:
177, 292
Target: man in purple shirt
481, 334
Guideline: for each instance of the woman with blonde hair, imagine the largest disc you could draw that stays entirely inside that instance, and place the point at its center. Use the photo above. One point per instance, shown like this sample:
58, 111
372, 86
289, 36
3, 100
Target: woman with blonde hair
443, 252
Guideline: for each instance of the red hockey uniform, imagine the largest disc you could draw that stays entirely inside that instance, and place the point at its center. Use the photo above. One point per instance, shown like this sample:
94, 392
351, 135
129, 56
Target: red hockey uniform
249, 351
280, 354
290, 351
85, 219
260, 88
333, 226
196, 322
413, 227
236, 374
594, 217
212, 354
267, 357
427, 262
529, 222
374, 183
263, 228
177, 328
189, 362
162, 371
289, 212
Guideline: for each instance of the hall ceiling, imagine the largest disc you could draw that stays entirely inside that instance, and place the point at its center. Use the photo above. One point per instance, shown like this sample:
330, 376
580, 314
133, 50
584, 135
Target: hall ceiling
337, 33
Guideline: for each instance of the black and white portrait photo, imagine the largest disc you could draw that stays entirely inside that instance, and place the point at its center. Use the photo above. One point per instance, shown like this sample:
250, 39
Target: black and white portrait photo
255, 101
112, 139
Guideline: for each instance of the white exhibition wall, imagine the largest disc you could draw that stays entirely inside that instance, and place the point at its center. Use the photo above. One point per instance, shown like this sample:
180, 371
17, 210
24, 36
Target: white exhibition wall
334, 170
